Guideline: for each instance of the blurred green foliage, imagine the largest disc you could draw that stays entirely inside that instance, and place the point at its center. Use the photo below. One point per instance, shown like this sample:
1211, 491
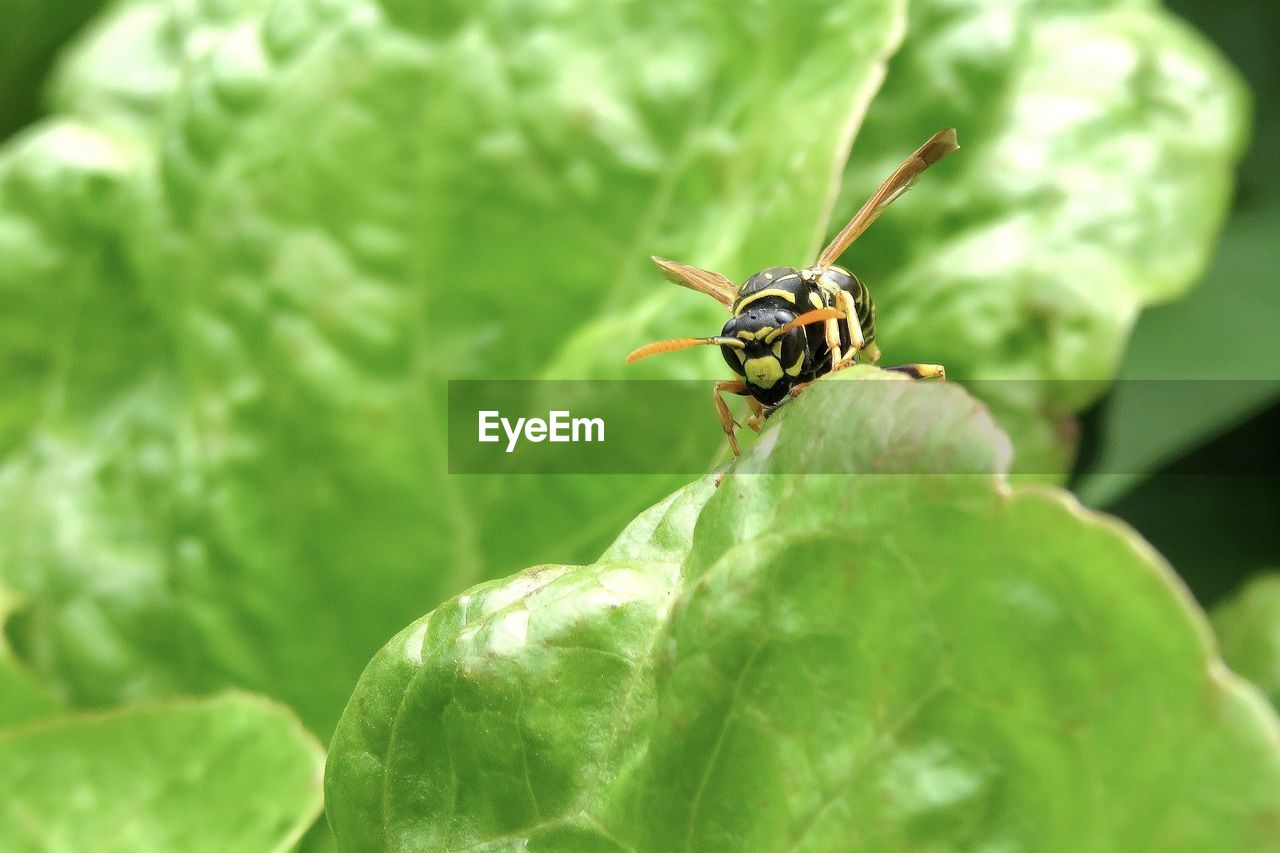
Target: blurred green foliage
230, 772
1224, 330
31, 32
1094, 177
243, 414
1202, 482
1248, 627
21, 696
249, 240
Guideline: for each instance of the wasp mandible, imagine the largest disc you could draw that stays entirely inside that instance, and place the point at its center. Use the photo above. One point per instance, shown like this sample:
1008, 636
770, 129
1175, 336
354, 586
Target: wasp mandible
790, 326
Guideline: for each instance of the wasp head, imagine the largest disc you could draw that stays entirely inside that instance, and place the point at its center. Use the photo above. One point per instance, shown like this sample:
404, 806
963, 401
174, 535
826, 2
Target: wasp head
767, 355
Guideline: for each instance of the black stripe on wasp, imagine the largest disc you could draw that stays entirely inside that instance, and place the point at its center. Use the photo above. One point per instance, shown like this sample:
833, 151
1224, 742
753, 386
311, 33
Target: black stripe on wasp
790, 326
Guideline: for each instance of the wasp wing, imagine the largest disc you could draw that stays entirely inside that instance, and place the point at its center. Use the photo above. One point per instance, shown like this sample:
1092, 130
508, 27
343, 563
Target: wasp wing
704, 281
939, 145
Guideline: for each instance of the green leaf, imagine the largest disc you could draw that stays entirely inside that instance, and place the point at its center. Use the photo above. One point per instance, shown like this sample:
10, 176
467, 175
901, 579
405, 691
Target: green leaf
1212, 337
228, 773
872, 655
1248, 628
1227, 378
1097, 146
33, 31
21, 696
299, 224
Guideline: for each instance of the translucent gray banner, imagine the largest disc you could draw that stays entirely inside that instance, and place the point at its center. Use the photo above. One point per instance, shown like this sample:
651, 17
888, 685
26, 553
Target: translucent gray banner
663, 427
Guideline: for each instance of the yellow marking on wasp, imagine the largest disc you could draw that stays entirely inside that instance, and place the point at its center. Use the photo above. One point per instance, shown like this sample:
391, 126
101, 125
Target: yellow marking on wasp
757, 335
777, 349
761, 294
768, 276
815, 300
764, 371
794, 370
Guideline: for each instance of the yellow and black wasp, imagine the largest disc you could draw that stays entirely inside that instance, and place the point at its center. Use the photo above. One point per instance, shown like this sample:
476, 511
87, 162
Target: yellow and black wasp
790, 326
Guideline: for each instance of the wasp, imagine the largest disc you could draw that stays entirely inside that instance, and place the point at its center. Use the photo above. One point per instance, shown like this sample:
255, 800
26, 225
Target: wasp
790, 326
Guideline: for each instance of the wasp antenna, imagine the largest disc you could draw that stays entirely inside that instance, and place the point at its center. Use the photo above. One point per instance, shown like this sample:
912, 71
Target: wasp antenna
806, 319
681, 343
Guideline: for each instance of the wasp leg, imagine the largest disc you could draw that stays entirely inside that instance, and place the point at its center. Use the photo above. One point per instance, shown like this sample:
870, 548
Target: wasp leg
732, 386
758, 413
845, 303
920, 371
831, 329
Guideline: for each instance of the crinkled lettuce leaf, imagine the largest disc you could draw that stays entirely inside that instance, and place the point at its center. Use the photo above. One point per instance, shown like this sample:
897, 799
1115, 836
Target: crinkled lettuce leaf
867, 655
